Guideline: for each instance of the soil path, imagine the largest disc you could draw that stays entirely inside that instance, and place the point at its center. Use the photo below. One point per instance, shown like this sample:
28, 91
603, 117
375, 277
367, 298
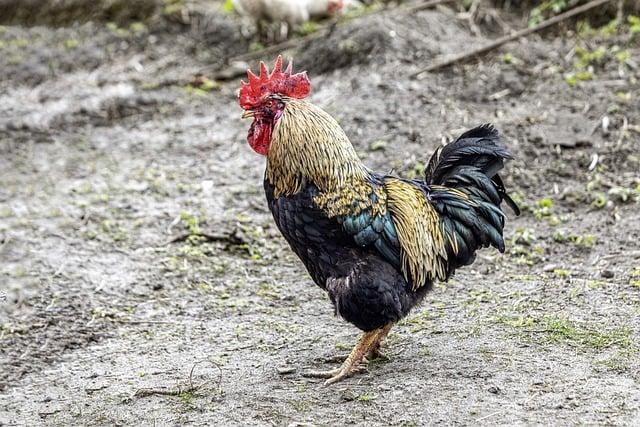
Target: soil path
103, 160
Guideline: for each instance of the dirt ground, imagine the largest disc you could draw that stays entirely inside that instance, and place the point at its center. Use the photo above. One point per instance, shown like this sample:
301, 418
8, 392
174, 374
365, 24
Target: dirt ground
110, 163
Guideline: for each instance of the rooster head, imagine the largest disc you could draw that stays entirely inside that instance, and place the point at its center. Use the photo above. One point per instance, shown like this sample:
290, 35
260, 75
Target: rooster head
265, 97
335, 6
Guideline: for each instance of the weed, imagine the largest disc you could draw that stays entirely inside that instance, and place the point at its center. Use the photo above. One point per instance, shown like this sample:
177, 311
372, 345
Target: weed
585, 241
343, 346
137, 27
227, 6
634, 24
71, 44
545, 9
560, 272
172, 7
561, 330
523, 236
378, 145
417, 171
419, 321
599, 200
308, 27
621, 361
367, 397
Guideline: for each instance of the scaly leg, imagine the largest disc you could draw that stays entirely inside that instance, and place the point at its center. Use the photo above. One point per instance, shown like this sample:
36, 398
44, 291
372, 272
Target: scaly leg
375, 352
365, 344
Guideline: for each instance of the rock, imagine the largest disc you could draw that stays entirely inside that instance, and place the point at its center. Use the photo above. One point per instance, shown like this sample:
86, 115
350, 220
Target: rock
494, 389
286, 370
607, 274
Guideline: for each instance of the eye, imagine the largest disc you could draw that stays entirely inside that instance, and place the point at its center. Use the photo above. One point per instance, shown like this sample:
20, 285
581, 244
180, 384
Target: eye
273, 103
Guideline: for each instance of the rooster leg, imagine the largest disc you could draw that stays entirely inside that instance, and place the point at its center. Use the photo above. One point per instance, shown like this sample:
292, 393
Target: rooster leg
352, 364
375, 352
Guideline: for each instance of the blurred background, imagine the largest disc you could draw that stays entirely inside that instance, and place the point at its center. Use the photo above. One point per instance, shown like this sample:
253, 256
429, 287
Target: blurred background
141, 274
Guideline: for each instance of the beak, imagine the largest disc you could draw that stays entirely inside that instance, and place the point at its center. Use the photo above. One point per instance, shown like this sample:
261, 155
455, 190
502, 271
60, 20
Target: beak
248, 113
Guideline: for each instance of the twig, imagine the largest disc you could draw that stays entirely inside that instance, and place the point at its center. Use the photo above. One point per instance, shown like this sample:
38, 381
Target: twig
425, 5
470, 16
90, 390
231, 237
488, 416
281, 46
518, 34
145, 322
177, 391
628, 254
145, 392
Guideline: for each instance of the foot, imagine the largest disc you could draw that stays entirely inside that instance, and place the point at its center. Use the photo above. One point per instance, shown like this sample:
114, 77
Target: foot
334, 375
368, 343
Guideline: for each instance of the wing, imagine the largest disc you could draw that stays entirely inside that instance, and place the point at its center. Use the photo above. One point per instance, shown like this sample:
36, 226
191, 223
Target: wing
423, 242
373, 229
393, 218
360, 210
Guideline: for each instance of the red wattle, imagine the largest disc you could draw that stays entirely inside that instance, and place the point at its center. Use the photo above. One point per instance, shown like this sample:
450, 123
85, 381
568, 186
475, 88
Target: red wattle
259, 136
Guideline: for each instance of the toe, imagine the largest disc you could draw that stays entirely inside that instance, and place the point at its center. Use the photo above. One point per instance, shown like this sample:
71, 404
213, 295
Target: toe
321, 374
344, 373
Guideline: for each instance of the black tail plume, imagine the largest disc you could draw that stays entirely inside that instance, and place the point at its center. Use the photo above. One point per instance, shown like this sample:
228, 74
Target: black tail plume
466, 191
479, 149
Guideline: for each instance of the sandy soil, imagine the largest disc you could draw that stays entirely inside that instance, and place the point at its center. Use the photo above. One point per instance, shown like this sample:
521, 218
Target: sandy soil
108, 158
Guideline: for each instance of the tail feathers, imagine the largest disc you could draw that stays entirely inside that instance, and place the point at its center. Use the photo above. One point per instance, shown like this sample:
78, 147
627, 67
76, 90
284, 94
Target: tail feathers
468, 223
477, 147
472, 160
466, 190
503, 193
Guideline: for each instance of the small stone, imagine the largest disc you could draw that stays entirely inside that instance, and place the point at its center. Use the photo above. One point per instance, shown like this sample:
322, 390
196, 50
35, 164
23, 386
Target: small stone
607, 274
348, 396
494, 389
285, 370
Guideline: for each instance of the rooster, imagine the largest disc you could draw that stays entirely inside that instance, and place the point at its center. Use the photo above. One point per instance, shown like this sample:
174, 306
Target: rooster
288, 13
375, 242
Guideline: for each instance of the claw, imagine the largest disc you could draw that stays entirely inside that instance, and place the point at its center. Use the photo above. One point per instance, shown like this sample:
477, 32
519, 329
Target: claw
344, 373
335, 375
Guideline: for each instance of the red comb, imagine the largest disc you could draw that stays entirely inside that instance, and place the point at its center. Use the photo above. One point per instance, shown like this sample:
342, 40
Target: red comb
278, 81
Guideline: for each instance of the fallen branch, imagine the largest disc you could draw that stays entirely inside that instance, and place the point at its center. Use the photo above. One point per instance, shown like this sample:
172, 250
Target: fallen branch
502, 40
231, 237
177, 391
146, 392
425, 5
627, 254
145, 322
